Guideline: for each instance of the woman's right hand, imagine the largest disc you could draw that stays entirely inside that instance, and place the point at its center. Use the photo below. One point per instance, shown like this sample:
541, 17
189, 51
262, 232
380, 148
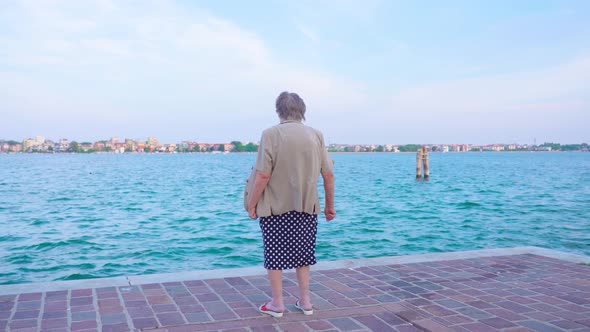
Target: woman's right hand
330, 213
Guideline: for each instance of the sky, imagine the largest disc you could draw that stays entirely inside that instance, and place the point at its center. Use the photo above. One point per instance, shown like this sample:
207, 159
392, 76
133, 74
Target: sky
370, 71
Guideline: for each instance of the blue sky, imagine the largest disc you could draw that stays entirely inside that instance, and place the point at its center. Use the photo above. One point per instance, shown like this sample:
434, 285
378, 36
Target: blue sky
370, 71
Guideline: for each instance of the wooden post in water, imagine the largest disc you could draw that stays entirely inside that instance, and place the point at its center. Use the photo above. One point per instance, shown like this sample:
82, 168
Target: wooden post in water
419, 164
422, 162
426, 161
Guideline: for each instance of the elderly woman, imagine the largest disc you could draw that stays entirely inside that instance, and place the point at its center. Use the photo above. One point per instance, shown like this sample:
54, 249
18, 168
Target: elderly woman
290, 159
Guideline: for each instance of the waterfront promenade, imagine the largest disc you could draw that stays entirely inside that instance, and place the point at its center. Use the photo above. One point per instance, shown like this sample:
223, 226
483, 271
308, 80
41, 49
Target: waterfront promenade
518, 289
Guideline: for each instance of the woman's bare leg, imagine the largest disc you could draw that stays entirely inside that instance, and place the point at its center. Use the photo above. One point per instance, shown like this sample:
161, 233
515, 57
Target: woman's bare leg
303, 280
276, 283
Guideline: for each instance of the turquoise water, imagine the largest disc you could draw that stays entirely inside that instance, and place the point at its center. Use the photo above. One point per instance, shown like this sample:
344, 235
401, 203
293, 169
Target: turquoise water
83, 216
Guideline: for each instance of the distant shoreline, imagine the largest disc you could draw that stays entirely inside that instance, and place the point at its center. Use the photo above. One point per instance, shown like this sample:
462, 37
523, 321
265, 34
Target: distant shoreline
223, 153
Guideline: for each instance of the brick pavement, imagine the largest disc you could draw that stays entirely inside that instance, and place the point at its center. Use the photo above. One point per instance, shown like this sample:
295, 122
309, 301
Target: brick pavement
506, 293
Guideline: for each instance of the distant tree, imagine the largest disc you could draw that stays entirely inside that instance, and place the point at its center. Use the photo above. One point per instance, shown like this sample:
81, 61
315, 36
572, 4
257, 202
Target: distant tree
379, 148
128, 149
50, 149
553, 146
574, 147
74, 147
251, 147
346, 149
146, 149
238, 146
409, 148
196, 148
434, 148
12, 142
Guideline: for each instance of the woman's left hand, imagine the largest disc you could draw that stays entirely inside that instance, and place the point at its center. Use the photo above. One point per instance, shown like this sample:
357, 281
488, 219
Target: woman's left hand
252, 213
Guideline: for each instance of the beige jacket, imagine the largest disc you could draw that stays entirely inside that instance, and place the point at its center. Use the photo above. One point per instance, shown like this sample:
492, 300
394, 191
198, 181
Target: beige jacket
295, 155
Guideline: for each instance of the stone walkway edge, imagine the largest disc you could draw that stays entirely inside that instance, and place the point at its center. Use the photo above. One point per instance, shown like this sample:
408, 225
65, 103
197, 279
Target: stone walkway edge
249, 271
524, 289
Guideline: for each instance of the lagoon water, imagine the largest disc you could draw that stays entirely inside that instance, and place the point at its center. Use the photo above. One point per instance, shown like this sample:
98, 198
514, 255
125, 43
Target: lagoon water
68, 217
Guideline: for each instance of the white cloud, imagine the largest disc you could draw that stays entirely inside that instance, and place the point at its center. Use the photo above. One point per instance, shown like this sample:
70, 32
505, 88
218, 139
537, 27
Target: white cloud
121, 62
552, 88
309, 33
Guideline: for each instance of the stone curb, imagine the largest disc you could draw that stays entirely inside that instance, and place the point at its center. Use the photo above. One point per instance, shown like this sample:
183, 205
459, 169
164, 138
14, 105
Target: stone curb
249, 271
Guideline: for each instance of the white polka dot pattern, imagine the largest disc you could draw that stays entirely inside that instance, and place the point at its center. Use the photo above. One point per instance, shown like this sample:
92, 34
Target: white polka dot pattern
289, 240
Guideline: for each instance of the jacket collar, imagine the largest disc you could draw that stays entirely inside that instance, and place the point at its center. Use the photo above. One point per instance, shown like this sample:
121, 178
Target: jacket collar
290, 121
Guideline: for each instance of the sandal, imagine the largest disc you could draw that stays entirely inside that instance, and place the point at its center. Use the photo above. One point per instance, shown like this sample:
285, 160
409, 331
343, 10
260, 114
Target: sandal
305, 312
263, 309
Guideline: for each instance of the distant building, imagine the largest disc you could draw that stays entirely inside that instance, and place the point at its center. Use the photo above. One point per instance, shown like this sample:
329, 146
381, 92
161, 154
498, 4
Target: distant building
28, 144
228, 147
152, 141
16, 148
99, 146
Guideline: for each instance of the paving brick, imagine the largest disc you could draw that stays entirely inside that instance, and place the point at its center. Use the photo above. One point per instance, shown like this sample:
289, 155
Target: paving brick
122, 327
28, 305
84, 325
30, 297
390, 318
90, 307
142, 323
373, 323
538, 326
160, 308
26, 314
497, 322
76, 301
345, 324
264, 328
56, 306
170, 319
408, 328
54, 323
343, 302
438, 311
478, 327
568, 325
200, 317
109, 319
449, 303
431, 325
319, 325
140, 312
456, 319
207, 297
292, 327
473, 313
81, 292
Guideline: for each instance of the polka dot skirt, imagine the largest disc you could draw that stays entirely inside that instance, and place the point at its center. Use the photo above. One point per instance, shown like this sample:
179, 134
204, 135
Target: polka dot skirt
289, 240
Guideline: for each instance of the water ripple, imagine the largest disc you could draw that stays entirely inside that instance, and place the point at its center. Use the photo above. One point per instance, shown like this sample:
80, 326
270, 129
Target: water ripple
67, 217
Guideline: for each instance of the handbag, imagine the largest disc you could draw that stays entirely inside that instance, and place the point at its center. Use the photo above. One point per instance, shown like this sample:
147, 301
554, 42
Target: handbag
249, 187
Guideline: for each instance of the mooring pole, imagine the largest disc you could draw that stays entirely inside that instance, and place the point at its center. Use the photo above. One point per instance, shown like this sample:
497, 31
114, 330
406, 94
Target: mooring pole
419, 164
426, 161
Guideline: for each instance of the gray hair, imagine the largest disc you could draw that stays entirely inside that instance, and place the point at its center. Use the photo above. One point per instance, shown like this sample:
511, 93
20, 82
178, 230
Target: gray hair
290, 106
